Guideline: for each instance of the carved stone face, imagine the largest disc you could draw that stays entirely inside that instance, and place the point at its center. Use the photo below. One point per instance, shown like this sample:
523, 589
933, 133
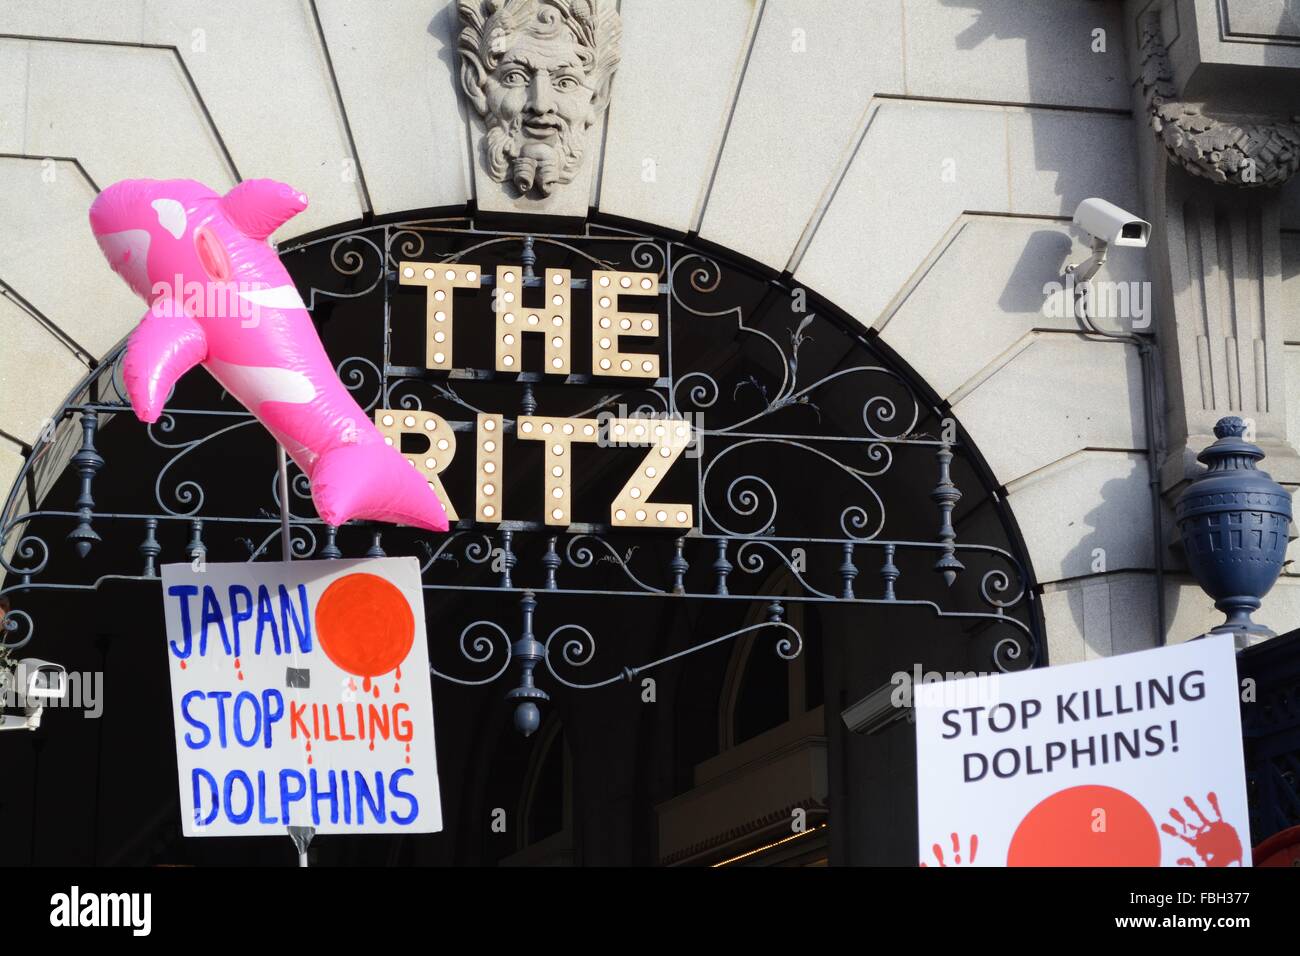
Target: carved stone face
538, 72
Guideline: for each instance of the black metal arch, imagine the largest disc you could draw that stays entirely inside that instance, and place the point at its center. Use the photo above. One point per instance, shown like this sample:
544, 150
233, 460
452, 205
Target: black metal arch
781, 387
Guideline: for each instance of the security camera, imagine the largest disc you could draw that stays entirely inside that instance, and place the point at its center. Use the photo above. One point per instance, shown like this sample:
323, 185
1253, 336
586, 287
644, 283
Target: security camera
38, 681
32, 683
1105, 221
1108, 225
876, 711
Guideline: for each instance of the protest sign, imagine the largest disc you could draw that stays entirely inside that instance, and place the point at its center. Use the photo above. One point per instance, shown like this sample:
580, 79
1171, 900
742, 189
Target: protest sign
300, 692
1133, 760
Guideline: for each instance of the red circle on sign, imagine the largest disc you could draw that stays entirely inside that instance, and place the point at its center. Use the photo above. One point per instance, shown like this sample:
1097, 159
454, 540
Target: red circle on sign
1086, 826
364, 624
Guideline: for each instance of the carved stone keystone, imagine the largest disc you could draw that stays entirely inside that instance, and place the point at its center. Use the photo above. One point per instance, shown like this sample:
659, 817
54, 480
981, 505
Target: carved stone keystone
538, 73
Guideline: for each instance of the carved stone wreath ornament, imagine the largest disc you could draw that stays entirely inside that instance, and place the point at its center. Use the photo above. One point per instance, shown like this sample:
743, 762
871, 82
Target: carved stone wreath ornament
1243, 150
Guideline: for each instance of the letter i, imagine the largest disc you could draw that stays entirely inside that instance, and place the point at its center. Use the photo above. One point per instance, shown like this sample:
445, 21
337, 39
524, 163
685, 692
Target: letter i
488, 467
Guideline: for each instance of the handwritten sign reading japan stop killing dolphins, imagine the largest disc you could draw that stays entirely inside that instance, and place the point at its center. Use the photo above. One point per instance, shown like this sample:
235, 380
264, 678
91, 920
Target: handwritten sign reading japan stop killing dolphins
301, 697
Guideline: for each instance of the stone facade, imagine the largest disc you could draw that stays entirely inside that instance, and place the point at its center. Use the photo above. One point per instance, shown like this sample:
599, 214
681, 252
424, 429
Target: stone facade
914, 161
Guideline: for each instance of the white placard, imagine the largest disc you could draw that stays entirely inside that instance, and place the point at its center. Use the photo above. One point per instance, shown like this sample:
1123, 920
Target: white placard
1132, 760
301, 697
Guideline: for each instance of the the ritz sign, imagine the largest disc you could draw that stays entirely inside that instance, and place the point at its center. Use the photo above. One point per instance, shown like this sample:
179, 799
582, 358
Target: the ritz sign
665, 438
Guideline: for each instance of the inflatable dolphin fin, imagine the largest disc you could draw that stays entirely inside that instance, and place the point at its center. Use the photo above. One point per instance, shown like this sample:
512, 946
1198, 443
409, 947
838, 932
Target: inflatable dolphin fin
258, 207
364, 481
164, 346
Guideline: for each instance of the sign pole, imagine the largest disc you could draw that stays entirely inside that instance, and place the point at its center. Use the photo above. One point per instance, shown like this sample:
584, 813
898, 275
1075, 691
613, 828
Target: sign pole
301, 836
286, 552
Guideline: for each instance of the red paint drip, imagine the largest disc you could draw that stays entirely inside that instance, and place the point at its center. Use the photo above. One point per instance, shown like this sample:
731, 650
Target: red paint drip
182, 665
365, 683
239, 674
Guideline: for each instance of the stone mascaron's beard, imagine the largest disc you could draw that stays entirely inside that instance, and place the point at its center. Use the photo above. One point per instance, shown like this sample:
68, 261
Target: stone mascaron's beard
530, 164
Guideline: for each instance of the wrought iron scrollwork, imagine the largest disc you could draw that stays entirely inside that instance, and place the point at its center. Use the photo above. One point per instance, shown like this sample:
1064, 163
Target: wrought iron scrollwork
580, 555
480, 650
579, 651
16, 629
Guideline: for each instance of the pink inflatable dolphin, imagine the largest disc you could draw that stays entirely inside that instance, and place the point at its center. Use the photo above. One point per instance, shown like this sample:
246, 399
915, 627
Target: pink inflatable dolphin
176, 242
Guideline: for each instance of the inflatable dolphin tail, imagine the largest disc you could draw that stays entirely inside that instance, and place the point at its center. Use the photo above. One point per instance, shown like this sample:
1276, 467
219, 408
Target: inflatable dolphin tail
164, 346
374, 482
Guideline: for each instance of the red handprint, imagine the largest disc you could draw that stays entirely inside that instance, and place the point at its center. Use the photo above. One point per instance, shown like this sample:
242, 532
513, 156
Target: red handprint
956, 851
1214, 841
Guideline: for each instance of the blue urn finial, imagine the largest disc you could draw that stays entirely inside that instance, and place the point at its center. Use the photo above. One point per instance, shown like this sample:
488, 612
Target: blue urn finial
1230, 426
1234, 521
